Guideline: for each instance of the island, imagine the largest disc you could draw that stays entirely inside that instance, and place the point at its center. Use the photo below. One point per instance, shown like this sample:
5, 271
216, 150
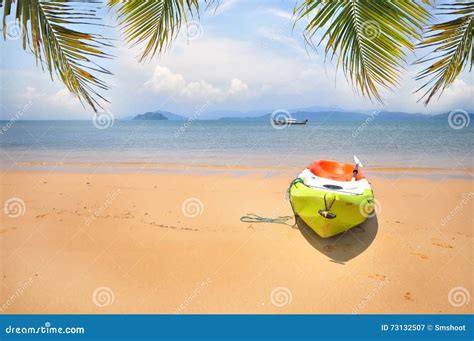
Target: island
155, 116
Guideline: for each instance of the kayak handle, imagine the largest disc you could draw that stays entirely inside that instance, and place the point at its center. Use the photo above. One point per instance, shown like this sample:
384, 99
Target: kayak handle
355, 172
326, 214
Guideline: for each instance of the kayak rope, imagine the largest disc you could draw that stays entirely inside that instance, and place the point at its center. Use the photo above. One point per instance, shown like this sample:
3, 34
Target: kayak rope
254, 218
326, 213
328, 207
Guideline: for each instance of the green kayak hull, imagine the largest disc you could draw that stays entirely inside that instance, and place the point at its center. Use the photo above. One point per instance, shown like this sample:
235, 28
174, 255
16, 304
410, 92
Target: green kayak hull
345, 212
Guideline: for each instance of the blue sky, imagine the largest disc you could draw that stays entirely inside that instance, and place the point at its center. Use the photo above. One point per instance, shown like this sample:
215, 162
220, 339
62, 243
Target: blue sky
244, 56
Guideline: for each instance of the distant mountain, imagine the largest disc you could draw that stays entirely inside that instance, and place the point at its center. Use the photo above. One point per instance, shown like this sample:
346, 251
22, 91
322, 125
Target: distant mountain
320, 116
446, 115
338, 116
150, 116
170, 116
217, 114
332, 116
395, 115
158, 115
310, 113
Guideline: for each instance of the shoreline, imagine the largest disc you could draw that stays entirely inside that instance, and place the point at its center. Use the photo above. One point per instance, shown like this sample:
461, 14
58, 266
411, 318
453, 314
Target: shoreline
203, 169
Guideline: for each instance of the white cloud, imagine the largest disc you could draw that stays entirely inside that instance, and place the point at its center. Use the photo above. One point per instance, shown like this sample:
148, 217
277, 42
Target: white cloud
174, 84
279, 37
247, 74
224, 6
63, 99
237, 75
58, 103
281, 13
218, 60
237, 87
164, 81
49, 99
459, 94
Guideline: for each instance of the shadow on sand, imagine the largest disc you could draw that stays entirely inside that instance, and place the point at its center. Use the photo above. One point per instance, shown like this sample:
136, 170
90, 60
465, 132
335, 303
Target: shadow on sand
344, 246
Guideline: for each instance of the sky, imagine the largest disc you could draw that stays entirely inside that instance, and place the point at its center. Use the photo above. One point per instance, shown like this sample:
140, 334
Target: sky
244, 56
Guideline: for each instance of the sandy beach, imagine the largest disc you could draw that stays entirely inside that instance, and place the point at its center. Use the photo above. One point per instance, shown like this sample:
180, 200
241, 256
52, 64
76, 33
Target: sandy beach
170, 242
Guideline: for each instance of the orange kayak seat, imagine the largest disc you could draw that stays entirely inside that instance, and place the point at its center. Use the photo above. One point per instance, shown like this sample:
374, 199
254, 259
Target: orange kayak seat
334, 170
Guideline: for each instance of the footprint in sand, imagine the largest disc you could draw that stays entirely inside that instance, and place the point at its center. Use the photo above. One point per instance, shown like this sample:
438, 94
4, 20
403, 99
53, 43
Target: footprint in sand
408, 297
377, 277
440, 243
7, 229
163, 226
422, 256
41, 215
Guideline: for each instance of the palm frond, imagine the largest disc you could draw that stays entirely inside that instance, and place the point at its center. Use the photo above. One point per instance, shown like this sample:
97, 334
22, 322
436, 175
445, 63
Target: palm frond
153, 23
46, 29
369, 38
453, 49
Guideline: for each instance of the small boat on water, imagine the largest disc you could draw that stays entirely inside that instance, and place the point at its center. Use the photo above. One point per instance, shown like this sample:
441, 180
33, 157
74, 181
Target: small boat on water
331, 197
288, 121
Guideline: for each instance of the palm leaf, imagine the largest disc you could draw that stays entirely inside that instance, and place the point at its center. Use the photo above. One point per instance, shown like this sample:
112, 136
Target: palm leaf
453, 49
369, 38
46, 30
152, 23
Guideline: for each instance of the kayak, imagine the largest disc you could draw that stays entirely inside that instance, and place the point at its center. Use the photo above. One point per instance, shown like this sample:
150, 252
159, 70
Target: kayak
332, 197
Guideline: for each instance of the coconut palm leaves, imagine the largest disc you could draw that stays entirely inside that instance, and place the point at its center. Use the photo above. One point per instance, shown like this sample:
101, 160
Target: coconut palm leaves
452, 42
369, 38
153, 23
46, 29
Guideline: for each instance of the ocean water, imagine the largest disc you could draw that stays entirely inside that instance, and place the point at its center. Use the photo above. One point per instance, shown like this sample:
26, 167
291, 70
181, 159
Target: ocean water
405, 144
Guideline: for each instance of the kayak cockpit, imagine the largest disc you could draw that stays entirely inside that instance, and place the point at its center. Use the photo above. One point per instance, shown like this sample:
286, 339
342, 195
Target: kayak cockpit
334, 170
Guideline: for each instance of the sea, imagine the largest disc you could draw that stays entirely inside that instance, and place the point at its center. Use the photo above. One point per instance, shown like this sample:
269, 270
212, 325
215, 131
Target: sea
383, 143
